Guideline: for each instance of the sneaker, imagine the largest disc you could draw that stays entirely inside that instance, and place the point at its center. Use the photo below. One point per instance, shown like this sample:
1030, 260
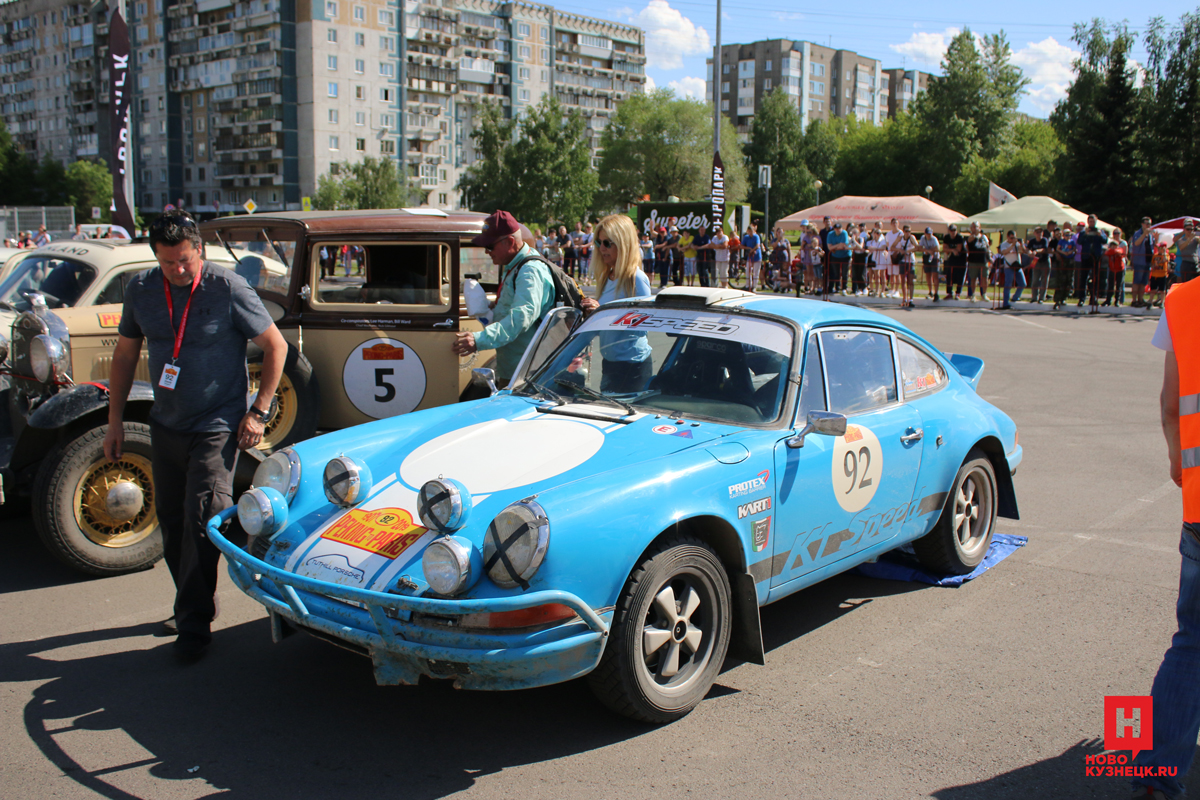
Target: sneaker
191, 647
895, 293
935, 298
168, 627
971, 299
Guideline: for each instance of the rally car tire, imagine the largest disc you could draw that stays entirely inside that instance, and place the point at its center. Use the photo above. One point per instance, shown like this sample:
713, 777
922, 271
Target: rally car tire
669, 635
298, 401
69, 512
961, 537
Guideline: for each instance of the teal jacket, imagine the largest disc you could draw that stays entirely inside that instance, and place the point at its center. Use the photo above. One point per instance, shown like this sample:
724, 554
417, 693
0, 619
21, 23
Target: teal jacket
524, 300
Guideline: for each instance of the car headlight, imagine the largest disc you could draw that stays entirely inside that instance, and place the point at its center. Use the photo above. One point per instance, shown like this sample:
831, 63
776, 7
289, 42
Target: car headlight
281, 472
46, 357
443, 505
451, 565
262, 511
346, 481
516, 544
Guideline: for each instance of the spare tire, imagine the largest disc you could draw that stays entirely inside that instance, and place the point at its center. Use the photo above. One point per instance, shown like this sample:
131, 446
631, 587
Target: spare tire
299, 401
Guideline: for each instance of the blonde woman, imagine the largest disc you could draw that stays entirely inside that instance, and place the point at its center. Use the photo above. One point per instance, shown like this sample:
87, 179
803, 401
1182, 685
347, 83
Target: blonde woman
618, 270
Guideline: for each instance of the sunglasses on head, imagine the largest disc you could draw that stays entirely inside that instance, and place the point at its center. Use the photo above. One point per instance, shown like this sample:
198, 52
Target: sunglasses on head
167, 220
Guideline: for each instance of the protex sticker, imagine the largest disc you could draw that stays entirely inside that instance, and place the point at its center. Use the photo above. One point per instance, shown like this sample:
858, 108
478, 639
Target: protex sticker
760, 529
386, 531
664, 429
857, 467
109, 319
755, 484
754, 507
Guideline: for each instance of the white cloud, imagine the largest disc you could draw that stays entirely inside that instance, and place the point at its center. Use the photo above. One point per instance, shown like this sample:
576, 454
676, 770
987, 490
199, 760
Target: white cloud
1043, 98
670, 35
926, 48
650, 84
1046, 61
689, 87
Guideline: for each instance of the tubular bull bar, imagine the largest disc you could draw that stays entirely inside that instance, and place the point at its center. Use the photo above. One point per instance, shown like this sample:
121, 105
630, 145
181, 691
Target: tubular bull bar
380, 623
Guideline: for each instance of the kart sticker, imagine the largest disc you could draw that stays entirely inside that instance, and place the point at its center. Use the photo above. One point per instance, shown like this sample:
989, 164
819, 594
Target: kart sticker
664, 429
387, 532
383, 378
760, 529
754, 507
109, 319
755, 484
857, 467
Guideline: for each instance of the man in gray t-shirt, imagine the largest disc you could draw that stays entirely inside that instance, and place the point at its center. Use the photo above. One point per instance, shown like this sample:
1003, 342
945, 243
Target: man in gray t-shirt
195, 318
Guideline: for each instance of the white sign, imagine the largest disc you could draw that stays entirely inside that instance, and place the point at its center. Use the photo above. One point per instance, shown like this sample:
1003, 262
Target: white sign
249, 205
383, 378
764, 176
95, 212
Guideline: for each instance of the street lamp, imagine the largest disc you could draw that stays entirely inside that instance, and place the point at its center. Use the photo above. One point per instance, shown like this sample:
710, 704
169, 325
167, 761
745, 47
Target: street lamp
928, 192
817, 185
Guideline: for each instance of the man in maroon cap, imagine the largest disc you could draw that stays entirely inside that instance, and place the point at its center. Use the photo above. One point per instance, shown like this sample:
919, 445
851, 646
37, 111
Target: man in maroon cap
526, 295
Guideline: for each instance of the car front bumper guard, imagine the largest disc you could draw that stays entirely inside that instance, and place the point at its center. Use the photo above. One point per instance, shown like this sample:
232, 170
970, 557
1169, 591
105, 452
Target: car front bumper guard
475, 660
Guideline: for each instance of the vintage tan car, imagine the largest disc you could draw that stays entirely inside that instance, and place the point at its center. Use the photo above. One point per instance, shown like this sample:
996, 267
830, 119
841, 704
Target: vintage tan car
369, 302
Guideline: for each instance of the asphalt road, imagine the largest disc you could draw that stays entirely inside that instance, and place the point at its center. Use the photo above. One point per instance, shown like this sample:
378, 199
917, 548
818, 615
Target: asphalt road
872, 688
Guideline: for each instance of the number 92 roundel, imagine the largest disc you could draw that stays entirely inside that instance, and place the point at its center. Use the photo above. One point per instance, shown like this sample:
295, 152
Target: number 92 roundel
383, 378
857, 467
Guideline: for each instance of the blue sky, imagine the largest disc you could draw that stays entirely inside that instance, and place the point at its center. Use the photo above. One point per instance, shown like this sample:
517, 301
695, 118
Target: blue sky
681, 34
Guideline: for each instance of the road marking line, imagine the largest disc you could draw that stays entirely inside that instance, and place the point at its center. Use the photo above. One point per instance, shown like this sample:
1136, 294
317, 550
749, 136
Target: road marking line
1120, 518
1022, 319
1157, 548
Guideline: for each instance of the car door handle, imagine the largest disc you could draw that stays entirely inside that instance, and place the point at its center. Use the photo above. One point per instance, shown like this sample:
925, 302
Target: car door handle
915, 436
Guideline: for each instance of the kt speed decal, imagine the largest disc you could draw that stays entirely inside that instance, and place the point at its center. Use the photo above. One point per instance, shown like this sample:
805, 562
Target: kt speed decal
383, 378
857, 467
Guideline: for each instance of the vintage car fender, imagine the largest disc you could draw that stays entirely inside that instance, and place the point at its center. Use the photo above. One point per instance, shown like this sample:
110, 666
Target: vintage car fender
80, 400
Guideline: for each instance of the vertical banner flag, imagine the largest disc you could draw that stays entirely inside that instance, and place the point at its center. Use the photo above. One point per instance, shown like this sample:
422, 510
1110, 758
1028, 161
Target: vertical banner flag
718, 193
120, 90
998, 196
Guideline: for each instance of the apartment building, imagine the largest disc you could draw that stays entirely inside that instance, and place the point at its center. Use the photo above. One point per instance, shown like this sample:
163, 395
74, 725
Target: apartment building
906, 85
254, 100
52, 90
824, 82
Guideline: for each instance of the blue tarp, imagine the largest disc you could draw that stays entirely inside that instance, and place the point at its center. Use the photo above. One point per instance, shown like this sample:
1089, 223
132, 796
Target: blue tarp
902, 565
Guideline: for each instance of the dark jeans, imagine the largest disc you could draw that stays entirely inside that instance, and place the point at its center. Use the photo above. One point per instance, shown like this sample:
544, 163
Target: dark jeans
706, 271
192, 483
954, 276
624, 377
1092, 275
664, 272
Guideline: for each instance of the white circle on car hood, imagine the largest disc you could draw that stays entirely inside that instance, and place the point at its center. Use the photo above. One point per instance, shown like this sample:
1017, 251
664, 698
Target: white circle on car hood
503, 454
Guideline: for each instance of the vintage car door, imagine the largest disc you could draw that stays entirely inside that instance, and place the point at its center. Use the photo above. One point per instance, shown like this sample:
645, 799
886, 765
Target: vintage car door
840, 495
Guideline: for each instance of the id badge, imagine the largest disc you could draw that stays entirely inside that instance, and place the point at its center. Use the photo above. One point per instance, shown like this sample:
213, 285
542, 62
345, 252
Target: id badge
170, 375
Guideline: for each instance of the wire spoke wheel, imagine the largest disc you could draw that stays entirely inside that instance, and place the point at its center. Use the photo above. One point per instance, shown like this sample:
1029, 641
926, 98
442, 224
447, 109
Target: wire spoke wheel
91, 507
281, 422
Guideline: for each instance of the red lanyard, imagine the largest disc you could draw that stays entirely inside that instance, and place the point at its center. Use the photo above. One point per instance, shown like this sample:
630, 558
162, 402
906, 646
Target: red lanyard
186, 309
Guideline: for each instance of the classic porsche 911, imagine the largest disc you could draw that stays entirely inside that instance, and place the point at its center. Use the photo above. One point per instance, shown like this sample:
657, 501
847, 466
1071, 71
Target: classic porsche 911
653, 475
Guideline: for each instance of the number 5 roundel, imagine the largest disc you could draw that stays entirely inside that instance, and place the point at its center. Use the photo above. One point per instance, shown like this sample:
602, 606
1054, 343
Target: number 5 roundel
857, 467
383, 378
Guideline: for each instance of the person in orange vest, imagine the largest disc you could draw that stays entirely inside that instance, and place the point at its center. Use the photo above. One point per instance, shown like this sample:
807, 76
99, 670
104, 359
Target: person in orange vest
1176, 691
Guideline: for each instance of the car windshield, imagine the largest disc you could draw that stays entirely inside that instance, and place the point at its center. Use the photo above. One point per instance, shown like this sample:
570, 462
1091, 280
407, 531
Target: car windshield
61, 281
264, 257
731, 368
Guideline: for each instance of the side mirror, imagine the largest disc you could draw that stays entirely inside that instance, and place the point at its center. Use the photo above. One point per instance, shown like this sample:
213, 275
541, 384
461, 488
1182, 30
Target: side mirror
825, 423
488, 375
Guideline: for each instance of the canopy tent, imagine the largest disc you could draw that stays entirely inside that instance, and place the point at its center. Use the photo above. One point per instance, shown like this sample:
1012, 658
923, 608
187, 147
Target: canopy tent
913, 209
1029, 212
1173, 226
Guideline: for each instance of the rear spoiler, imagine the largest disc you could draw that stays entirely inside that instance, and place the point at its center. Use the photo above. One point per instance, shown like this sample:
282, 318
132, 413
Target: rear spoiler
970, 367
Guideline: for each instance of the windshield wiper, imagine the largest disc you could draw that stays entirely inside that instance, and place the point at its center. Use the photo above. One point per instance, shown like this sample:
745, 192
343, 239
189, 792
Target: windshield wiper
228, 249
550, 394
579, 387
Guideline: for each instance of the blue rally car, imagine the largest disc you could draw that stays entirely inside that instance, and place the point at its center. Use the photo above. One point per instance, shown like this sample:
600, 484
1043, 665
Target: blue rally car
652, 476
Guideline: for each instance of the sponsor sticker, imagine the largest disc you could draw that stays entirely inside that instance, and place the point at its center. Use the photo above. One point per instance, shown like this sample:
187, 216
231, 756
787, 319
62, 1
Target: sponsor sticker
754, 507
755, 484
384, 377
761, 530
337, 564
383, 352
109, 319
666, 430
683, 434
386, 531
853, 434
636, 319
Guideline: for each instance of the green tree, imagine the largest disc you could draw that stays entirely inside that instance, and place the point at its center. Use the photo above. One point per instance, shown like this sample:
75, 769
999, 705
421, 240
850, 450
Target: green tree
1170, 117
51, 183
536, 167
370, 183
660, 145
1097, 122
1024, 167
89, 184
777, 138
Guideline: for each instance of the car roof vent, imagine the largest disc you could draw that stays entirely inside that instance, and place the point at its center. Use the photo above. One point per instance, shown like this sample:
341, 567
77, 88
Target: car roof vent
698, 295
